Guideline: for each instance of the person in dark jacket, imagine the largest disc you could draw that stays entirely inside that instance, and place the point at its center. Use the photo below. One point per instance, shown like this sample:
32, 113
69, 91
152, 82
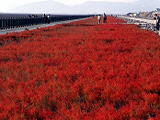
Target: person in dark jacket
157, 18
104, 18
45, 18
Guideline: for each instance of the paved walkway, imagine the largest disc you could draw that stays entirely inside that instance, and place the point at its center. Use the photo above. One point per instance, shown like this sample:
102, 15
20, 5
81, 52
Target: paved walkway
141, 20
20, 29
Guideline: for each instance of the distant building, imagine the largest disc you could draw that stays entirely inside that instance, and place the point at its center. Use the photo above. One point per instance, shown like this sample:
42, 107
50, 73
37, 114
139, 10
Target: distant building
133, 14
157, 9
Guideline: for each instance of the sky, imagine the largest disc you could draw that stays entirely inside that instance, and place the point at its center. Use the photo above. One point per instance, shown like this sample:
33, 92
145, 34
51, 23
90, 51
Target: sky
9, 4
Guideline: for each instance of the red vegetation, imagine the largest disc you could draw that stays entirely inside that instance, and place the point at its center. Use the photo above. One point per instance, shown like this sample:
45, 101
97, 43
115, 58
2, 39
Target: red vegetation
81, 71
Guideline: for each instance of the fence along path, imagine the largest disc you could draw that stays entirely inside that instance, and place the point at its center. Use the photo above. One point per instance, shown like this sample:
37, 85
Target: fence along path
39, 24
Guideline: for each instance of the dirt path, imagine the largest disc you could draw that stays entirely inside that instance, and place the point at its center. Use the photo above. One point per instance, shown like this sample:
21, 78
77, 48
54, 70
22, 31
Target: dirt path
139, 19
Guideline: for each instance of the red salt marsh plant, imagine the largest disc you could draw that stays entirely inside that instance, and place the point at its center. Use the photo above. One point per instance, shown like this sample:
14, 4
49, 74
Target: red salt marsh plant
81, 70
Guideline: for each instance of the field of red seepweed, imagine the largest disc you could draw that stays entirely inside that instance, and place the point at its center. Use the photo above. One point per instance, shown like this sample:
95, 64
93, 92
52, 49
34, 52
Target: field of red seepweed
82, 71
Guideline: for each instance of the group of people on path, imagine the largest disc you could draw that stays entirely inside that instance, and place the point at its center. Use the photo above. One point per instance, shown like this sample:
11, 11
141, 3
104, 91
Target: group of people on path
157, 20
46, 18
104, 18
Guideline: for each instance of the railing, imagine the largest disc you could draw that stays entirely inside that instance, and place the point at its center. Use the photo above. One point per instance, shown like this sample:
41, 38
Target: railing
8, 23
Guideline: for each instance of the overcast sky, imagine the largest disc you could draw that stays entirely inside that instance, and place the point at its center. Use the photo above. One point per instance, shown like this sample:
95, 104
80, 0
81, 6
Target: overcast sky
8, 4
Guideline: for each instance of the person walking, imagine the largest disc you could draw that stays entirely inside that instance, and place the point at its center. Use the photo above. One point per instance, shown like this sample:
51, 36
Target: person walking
157, 18
104, 18
48, 19
99, 19
45, 18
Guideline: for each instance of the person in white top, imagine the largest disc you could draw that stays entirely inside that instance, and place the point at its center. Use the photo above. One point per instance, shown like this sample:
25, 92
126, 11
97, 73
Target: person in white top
99, 19
48, 19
